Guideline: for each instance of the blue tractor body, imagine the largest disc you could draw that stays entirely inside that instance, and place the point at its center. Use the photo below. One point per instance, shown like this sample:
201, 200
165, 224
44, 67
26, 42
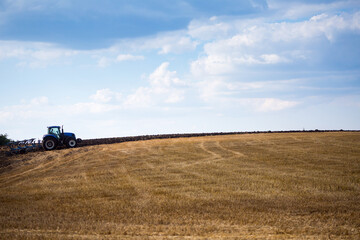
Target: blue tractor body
57, 137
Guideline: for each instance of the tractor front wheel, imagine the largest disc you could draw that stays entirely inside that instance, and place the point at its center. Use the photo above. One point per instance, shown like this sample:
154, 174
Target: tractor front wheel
71, 143
49, 143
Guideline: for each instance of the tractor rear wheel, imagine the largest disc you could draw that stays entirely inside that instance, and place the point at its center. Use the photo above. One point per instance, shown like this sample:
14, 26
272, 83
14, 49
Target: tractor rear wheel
50, 143
70, 143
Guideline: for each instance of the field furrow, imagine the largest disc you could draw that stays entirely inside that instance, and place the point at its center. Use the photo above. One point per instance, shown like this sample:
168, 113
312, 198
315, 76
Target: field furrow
256, 186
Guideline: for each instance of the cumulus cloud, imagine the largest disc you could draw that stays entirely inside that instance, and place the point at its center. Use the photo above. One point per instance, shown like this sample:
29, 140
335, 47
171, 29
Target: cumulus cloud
164, 87
105, 95
141, 98
162, 77
259, 42
230, 63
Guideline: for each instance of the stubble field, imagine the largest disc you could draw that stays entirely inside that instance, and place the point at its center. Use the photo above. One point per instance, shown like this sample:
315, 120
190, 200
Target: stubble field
255, 186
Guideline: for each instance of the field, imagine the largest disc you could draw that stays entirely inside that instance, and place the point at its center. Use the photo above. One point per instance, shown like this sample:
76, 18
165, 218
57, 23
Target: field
251, 186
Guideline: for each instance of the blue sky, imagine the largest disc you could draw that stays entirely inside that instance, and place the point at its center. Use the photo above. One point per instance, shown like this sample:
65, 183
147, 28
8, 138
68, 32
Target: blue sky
119, 68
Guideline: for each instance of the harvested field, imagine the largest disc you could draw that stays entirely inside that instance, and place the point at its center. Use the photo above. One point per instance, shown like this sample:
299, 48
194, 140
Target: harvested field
249, 186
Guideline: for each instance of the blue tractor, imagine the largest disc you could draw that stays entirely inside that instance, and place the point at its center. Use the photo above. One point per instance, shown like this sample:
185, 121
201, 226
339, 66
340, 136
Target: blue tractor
57, 137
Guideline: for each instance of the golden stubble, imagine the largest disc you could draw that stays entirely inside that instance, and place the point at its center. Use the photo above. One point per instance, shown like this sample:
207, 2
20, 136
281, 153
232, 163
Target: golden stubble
255, 186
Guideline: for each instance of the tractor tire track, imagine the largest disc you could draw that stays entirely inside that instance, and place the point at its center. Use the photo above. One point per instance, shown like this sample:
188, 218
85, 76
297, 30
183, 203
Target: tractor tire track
52, 161
213, 154
140, 187
229, 150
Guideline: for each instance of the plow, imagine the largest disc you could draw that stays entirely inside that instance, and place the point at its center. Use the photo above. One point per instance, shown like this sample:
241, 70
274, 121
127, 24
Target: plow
24, 146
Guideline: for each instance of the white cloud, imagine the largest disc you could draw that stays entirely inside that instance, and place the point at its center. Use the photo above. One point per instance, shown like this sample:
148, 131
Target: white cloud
251, 44
41, 109
211, 89
271, 104
39, 101
164, 87
88, 107
128, 57
171, 42
28, 109
272, 58
141, 98
39, 54
297, 9
211, 65
105, 95
221, 93
106, 59
34, 54
104, 62
209, 30
216, 89
261, 104
259, 42
176, 45
162, 77
5, 116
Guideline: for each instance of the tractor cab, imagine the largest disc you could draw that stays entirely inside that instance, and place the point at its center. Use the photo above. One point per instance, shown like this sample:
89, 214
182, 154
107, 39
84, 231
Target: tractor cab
55, 130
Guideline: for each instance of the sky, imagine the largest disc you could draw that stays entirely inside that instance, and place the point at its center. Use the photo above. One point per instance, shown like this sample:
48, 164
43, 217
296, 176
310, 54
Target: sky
115, 68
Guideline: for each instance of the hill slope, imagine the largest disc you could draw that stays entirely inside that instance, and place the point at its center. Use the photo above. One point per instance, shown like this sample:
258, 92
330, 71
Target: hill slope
282, 186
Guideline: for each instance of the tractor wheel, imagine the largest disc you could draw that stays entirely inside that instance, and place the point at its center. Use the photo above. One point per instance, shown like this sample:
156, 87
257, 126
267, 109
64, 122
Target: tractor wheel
50, 143
71, 143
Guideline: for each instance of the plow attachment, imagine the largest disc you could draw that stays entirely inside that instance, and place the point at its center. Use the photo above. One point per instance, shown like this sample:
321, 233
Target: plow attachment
24, 146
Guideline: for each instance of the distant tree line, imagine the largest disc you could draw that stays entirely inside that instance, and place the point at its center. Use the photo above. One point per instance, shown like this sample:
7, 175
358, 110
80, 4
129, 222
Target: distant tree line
4, 139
